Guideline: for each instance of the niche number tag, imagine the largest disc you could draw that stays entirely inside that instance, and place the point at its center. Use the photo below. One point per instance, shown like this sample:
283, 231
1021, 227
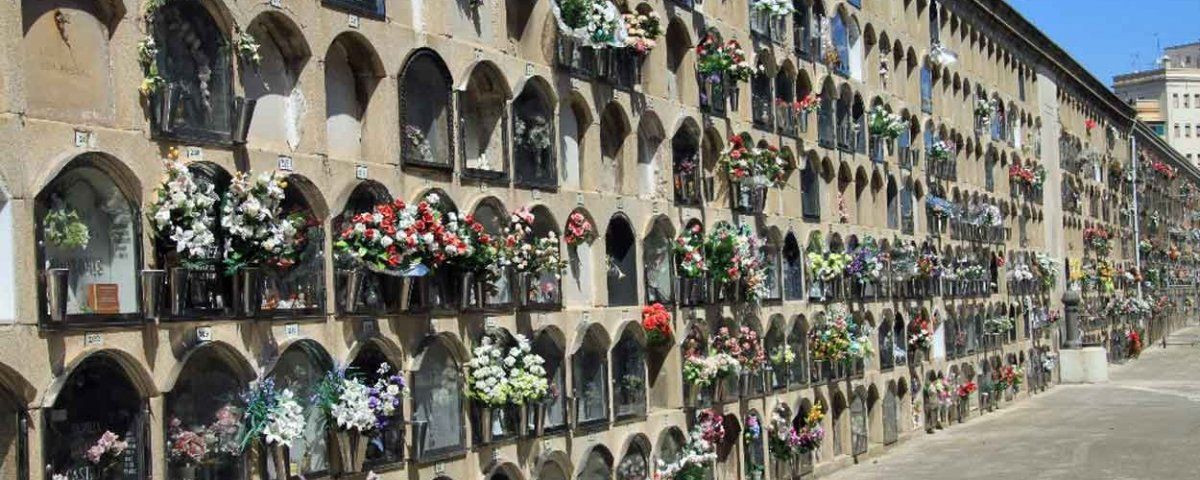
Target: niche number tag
291, 330
370, 327
92, 340
360, 172
81, 138
285, 163
353, 21
204, 334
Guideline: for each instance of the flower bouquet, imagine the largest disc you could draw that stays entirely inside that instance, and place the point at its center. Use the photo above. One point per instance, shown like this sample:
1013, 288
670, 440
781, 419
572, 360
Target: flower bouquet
64, 229
810, 435
774, 8
941, 150
885, 124
751, 353
840, 338
965, 390
183, 215
920, 334
530, 257
866, 263
274, 417
500, 374
1097, 238
828, 266
656, 321
752, 439
783, 442
697, 456
716, 60
983, 111
735, 259
579, 230
258, 230
705, 366
594, 23
104, 455
689, 252
643, 28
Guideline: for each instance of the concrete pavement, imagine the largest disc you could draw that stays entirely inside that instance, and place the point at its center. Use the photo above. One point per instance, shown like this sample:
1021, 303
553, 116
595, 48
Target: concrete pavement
1143, 424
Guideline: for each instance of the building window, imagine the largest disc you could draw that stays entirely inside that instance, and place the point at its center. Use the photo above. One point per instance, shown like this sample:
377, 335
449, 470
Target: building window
635, 465
598, 465
793, 268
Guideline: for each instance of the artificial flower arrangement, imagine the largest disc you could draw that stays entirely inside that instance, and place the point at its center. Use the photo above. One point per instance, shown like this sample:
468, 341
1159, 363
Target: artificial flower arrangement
734, 254
699, 454
753, 438
643, 29
942, 150
751, 354
1135, 343
998, 324
1089, 124
183, 214
808, 104
929, 265
810, 433
885, 124
965, 390
406, 238
1168, 172
480, 250
823, 264
579, 230
595, 23
105, 454
1097, 238
705, 365
1018, 174
840, 338
866, 262
774, 8
983, 111
197, 445
783, 356
903, 260
499, 375
782, 439
63, 228
272, 415
258, 232
1046, 269
920, 334
745, 163
689, 252
526, 254
353, 405
656, 321
716, 60
1012, 376
940, 390
1020, 273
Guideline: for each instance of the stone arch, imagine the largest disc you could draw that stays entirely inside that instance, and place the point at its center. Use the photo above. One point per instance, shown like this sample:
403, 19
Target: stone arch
614, 131
483, 120
649, 162
352, 71
271, 83
426, 126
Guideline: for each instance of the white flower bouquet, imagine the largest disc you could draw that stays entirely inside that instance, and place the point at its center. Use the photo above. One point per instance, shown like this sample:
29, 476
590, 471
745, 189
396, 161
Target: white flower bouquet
183, 214
274, 415
499, 374
258, 231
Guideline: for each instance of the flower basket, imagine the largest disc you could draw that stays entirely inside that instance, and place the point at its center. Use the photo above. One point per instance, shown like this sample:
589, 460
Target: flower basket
152, 287
348, 449
248, 284
353, 282
56, 292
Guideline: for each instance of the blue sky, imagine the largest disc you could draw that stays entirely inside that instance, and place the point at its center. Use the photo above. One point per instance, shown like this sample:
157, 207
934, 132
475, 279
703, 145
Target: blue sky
1110, 37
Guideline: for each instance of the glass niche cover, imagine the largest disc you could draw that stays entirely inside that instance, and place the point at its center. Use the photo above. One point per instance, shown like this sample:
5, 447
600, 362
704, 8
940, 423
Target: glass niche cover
88, 240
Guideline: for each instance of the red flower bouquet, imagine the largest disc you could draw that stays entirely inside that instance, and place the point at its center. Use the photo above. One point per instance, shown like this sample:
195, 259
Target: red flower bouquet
656, 320
579, 230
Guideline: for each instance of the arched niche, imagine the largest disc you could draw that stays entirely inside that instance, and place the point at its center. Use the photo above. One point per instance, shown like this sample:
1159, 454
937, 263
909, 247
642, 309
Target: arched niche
614, 130
385, 444
535, 158
798, 341
649, 140
629, 373
483, 122
194, 100
657, 262
597, 465
685, 163
352, 71
793, 268
88, 230
426, 122
205, 401
578, 285
680, 60
376, 291
544, 287
573, 121
670, 445
14, 435
589, 365
300, 369
549, 343
437, 399
65, 48
635, 463
491, 214
98, 396
279, 106
620, 250
296, 285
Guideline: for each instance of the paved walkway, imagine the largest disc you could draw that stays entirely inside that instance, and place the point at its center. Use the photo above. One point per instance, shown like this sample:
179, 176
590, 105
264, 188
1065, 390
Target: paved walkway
1144, 424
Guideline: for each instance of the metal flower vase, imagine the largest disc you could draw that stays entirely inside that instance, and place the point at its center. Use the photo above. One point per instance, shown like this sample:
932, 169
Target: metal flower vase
249, 286
57, 292
352, 280
152, 287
